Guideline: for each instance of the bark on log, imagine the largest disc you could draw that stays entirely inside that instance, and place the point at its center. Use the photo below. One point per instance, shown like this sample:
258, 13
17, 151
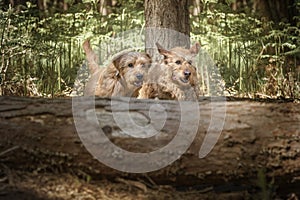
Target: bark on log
40, 135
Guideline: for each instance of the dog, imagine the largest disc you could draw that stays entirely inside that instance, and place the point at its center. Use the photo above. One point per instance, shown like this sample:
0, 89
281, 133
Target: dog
124, 76
174, 77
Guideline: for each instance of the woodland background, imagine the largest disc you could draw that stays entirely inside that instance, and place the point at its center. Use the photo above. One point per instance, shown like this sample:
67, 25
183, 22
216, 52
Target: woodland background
254, 43
255, 46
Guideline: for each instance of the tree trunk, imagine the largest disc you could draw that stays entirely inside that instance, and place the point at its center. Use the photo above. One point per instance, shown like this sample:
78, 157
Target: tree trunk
104, 7
276, 11
39, 134
167, 22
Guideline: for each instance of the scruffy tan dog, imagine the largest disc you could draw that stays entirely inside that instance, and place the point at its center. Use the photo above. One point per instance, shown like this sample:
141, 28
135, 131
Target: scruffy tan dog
123, 77
174, 77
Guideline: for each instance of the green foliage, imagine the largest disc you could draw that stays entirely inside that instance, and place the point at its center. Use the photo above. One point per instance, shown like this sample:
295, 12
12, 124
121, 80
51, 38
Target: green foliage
46, 47
267, 189
256, 58
245, 48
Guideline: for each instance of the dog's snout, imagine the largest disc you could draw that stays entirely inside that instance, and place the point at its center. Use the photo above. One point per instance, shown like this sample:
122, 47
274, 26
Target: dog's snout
139, 76
187, 73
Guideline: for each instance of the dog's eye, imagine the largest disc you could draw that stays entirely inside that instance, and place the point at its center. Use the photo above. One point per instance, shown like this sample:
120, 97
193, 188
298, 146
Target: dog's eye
130, 65
178, 62
190, 62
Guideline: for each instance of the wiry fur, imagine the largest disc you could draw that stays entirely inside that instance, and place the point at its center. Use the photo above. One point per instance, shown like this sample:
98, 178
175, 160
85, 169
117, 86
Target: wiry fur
123, 77
169, 78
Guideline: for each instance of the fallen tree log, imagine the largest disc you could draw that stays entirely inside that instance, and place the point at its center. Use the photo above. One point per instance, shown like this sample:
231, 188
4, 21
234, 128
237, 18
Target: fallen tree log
40, 135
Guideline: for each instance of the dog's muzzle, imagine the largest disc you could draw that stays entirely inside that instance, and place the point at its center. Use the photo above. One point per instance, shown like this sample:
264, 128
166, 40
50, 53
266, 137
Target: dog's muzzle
187, 73
186, 76
139, 81
139, 76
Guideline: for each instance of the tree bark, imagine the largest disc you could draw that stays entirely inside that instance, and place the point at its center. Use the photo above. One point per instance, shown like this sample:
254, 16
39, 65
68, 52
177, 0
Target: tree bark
167, 22
104, 7
276, 11
40, 135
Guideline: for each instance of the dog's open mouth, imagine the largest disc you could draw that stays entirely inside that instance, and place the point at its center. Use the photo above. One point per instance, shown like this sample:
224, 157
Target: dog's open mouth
138, 83
184, 80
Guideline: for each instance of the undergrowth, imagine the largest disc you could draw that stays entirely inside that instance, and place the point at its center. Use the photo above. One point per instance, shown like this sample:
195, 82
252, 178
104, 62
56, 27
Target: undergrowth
41, 52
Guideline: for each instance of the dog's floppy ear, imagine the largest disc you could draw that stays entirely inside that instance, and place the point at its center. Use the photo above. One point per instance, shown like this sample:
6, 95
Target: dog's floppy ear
117, 61
163, 51
195, 48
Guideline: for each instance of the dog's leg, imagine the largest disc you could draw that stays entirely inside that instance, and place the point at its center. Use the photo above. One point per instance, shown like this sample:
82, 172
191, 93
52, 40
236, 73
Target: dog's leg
92, 84
146, 92
143, 93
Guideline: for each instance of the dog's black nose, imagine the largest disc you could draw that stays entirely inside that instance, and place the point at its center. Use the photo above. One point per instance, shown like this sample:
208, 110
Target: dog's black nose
187, 73
139, 76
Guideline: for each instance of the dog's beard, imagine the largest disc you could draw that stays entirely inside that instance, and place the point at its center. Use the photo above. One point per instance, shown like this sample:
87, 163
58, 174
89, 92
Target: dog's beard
135, 86
134, 83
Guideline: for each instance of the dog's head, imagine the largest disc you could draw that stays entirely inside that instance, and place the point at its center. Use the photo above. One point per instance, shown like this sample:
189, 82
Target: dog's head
180, 62
132, 68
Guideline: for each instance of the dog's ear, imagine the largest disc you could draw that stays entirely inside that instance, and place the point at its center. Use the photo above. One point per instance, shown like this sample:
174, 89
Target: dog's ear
163, 51
117, 61
195, 48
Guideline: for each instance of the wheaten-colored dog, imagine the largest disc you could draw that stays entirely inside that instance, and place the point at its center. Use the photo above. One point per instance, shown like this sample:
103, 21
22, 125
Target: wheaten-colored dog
174, 77
123, 77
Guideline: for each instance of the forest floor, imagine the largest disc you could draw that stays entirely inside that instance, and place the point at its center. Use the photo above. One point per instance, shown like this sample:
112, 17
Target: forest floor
19, 185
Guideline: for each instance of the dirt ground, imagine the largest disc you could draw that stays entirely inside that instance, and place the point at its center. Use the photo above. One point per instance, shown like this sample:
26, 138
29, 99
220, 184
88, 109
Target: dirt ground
18, 185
